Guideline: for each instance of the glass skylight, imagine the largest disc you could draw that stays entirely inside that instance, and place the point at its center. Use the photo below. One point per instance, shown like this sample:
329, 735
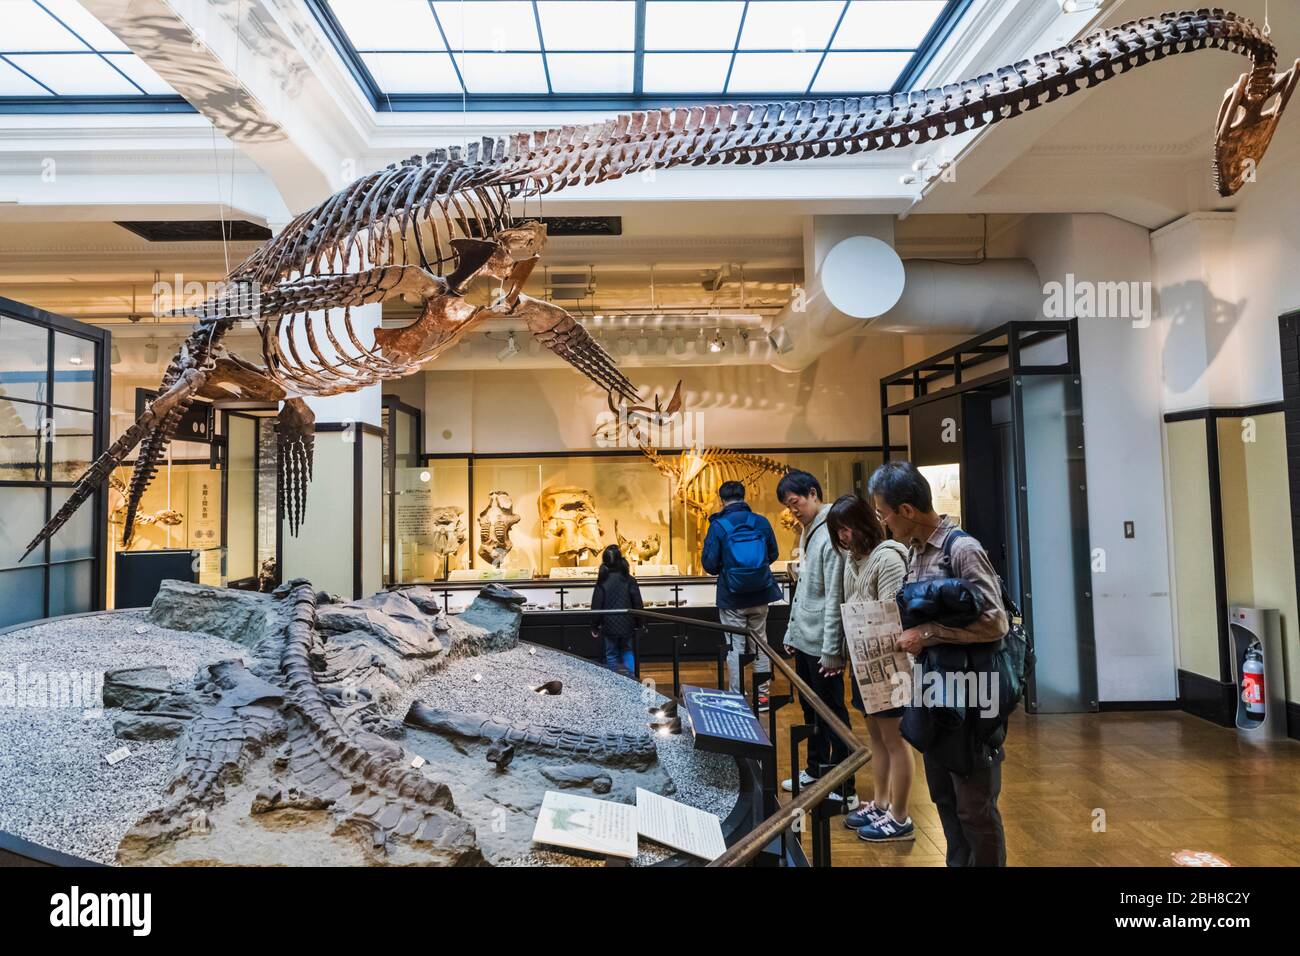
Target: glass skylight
501, 54
54, 50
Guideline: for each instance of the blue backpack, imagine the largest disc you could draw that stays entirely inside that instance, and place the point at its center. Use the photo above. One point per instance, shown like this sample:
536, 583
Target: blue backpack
744, 555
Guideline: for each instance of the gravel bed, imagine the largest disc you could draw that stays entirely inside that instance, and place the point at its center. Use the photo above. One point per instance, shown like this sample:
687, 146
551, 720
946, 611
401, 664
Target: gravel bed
594, 700
56, 788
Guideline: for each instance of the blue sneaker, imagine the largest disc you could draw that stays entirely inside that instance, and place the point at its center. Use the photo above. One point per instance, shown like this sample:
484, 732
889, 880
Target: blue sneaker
865, 814
887, 830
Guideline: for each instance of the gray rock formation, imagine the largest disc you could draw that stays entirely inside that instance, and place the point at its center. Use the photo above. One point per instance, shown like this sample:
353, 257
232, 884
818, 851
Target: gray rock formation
137, 688
237, 616
294, 759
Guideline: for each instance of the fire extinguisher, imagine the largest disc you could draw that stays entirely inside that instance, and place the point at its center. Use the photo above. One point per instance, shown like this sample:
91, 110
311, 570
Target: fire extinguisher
1252, 681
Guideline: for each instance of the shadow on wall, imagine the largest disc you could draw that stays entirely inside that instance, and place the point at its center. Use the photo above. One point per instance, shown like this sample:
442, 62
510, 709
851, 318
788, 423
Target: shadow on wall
1195, 316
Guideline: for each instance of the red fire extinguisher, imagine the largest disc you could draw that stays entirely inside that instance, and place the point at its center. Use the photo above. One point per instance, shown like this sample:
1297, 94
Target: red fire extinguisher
1252, 681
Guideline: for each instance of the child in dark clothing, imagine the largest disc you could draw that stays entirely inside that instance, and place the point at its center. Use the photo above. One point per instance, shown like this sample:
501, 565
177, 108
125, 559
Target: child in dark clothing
616, 589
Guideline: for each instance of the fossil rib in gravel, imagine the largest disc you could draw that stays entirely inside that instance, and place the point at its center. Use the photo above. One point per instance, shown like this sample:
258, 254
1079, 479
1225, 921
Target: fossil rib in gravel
295, 757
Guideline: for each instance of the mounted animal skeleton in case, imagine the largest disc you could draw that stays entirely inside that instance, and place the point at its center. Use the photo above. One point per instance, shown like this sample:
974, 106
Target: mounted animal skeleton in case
440, 228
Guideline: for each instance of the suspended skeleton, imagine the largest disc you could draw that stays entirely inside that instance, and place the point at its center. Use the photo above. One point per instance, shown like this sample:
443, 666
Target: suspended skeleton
694, 474
439, 228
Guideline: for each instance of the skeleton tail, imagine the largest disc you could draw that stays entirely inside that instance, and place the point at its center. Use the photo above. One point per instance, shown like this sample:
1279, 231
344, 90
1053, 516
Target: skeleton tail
295, 438
153, 430
743, 134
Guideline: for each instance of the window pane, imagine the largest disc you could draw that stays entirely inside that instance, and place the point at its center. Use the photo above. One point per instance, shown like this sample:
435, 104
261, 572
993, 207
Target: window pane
71, 588
73, 447
82, 23
22, 452
24, 357
685, 72
22, 514
772, 72
22, 596
76, 539
388, 24
13, 83
801, 25
413, 72
502, 72
479, 25
28, 27
900, 24
569, 25
591, 72
74, 371
708, 25
859, 72
141, 74
76, 74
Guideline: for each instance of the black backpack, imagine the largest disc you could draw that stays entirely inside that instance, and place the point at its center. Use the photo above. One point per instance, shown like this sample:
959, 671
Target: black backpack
1014, 657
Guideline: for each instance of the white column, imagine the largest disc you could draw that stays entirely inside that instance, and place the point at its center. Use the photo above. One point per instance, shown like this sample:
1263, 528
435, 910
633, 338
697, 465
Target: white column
339, 546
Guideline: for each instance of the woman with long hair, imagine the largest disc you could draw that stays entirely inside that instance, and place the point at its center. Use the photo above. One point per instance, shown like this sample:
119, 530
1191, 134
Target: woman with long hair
616, 589
874, 569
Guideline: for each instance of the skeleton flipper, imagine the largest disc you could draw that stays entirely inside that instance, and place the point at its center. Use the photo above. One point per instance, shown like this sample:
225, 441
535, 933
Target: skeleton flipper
565, 336
295, 430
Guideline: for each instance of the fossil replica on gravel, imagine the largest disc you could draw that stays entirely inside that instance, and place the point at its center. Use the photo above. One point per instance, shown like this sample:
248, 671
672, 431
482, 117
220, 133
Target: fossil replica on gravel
291, 755
440, 228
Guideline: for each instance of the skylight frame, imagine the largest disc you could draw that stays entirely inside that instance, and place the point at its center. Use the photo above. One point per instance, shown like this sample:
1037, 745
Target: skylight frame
638, 98
133, 99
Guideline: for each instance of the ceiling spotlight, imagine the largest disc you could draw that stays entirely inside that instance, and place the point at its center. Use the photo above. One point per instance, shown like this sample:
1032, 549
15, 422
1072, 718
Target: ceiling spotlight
679, 344
117, 355
74, 359
151, 352
661, 344
717, 344
511, 349
643, 344
624, 346
780, 340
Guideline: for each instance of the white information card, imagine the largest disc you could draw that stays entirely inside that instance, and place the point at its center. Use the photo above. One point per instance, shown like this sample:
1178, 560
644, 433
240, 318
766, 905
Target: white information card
584, 823
679, 826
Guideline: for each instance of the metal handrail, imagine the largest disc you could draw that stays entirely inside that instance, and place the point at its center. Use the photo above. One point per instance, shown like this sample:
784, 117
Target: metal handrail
749, 846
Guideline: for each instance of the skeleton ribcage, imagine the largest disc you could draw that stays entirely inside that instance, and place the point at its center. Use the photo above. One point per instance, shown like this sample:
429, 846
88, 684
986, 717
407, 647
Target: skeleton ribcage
350, 250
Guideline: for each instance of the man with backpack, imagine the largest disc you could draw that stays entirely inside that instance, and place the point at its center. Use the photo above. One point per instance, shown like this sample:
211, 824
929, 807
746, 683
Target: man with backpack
963, 766
739, 548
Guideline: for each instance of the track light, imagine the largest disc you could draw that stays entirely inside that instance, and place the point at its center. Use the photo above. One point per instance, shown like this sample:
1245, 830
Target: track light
151, 352
716, 344
679, 345
117, 355
780, 340
510, 350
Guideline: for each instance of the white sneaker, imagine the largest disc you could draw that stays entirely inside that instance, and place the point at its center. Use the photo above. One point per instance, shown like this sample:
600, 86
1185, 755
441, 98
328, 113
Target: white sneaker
804, 781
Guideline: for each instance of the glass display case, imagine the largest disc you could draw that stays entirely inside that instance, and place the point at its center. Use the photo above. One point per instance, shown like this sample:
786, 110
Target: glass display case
53, 422
533, 517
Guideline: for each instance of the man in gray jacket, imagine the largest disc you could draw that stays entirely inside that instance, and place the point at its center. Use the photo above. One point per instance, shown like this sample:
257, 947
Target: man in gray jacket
815, 636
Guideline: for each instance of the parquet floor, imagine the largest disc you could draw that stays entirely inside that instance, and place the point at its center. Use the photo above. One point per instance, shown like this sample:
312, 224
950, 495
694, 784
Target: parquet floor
1115, 789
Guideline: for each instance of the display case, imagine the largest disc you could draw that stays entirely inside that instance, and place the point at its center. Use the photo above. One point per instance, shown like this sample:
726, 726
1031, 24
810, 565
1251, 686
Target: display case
547, 517
557, 614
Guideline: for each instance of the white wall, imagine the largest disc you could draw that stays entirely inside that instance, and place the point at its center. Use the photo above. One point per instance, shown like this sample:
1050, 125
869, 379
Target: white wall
836, 401
1122, 432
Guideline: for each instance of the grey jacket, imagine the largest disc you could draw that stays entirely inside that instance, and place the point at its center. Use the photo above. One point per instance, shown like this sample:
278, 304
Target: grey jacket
815, 614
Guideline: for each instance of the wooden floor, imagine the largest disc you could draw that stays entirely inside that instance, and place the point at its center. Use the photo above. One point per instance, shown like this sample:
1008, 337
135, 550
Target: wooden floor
1159, 781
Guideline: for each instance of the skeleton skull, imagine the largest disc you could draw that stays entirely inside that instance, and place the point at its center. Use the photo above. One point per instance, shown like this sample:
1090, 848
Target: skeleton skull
569, 516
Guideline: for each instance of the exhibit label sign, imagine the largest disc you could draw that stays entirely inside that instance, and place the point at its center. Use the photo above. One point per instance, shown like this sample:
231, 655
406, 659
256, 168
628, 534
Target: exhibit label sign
679, 826
585, 823
722, 722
